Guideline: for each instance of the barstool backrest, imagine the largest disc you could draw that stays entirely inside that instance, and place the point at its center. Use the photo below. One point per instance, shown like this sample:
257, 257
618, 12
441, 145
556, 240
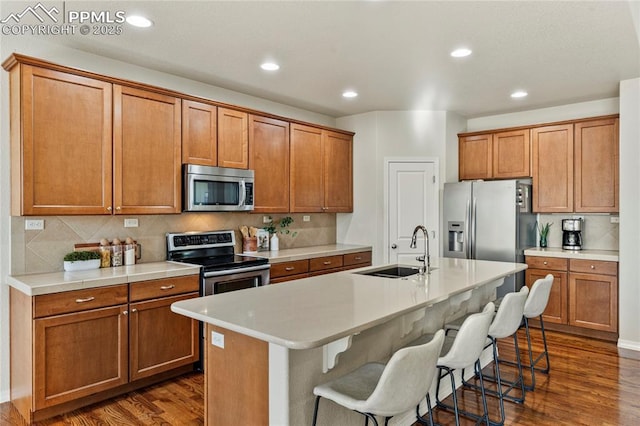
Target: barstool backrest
538, 297
470, 339
509, 315
406, 378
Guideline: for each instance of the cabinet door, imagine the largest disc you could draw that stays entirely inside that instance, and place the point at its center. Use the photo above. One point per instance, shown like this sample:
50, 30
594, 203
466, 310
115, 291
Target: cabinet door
511, 154
199, 133
66, 144
147, 136
596, 166
160, 340
79, 354
338, 172
593, 301
269, 159
556, 310
233, 141
475, 157
307, 191
552, 168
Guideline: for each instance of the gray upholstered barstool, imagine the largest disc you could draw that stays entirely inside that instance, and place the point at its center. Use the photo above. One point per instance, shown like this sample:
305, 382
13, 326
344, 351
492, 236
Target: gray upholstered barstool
378, 390
534, 307
505, 324
463, 351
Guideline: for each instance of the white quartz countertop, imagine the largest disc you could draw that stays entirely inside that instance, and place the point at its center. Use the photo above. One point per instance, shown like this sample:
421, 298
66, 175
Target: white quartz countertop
289, 255
607, 255
311, 312
55, 282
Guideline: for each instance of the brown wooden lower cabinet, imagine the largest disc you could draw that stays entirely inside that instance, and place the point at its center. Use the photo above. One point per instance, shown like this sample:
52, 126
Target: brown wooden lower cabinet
584, 296
78, 347
294, 270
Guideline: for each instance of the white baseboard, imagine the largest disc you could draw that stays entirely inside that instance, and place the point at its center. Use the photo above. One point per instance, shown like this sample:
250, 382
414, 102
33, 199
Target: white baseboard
629, 344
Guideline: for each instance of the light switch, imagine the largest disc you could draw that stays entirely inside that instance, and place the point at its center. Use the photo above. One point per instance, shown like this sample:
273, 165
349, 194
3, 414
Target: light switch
217, 339
34, 224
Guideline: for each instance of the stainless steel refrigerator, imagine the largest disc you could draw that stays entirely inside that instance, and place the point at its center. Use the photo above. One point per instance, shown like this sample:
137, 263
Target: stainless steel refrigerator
489, 220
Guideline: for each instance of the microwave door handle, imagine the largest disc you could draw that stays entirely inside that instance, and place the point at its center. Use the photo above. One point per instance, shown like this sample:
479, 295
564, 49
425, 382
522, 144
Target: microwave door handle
243, 193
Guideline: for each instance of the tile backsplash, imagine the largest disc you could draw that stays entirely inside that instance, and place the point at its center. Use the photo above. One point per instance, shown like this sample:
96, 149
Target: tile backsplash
43, 250
598, 233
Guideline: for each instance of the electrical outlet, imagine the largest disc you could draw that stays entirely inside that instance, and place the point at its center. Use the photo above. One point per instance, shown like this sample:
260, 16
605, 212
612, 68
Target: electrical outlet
615, 219
306, 218
34, 224
217, 339
266, 219
131, 223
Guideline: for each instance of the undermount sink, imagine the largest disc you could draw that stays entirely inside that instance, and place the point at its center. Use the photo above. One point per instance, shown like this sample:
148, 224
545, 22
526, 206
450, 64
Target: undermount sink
393, 272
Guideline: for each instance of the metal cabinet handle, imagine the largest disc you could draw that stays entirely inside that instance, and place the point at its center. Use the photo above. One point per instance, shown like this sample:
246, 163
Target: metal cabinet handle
86, 299
167, 287
134, 310
289, 268
125, 312
593, 267
109, 209
327, 262
358, 258
394, 246
118, 208
545, 263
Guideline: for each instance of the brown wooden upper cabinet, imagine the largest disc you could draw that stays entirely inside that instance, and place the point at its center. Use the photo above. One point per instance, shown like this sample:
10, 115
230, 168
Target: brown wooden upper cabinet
199, 133
269, 158
575, 167
500, 155
233, 140
61, 143
147, 138
321, 170
553, 168
596, 153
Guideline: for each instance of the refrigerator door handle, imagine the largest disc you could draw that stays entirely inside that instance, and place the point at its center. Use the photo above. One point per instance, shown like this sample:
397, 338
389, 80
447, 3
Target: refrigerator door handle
467, 221
472, 246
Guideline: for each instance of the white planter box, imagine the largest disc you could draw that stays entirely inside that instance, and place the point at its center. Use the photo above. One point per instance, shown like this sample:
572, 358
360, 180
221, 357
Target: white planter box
82, 265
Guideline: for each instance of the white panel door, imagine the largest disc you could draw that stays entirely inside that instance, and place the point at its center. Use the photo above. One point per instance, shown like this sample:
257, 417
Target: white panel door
412, 200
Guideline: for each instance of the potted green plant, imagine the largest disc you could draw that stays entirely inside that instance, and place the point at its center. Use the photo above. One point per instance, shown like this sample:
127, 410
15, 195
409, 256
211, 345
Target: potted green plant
544, 233
281, 226
81, 260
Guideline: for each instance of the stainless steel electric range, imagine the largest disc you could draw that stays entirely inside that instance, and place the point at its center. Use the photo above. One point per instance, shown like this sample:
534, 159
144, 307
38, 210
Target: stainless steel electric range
222, 270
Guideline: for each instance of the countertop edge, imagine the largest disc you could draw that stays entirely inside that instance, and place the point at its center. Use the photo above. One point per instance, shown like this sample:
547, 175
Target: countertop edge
604, 255
303, 253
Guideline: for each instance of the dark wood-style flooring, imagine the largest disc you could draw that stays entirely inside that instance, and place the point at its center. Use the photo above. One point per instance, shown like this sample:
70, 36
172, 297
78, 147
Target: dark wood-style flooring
590, 384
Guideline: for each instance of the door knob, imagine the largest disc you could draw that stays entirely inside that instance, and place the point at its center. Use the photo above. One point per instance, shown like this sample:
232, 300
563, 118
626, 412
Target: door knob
393, 246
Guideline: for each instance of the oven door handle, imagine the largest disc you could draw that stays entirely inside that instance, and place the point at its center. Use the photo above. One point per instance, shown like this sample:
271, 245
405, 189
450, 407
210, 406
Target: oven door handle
236, 271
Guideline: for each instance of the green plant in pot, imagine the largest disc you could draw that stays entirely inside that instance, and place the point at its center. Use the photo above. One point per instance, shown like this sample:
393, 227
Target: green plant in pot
81, 260
281, 226
544, 233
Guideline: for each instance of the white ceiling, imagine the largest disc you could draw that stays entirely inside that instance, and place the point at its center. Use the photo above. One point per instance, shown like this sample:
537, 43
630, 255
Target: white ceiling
394, 53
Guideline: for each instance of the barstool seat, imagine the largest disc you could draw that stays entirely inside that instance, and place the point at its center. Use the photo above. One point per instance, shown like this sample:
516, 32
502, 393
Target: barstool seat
505, 324
377, 389
463, 351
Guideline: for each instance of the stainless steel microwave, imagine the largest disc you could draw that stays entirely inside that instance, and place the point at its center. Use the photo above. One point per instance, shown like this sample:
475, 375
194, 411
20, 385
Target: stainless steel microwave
214, 189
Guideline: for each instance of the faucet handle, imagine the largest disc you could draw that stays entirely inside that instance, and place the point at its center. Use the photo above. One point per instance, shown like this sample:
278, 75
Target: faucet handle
420, 258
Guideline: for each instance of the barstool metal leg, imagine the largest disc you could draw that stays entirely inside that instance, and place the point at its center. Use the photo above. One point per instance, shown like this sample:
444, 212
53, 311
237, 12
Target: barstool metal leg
545, 354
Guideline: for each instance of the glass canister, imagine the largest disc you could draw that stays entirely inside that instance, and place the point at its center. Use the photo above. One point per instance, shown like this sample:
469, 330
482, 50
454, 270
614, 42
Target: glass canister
116, 255
130, 254
105, 256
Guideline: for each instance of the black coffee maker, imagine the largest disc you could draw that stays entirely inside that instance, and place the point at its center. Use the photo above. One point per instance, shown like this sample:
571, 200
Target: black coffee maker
572, 234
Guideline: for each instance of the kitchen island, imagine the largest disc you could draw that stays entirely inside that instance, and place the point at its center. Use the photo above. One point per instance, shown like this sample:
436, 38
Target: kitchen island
267, 347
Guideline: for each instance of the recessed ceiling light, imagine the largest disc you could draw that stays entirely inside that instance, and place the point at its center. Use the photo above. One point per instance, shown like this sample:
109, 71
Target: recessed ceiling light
139, 21
270, 66
519, 94
461, 53
350, 94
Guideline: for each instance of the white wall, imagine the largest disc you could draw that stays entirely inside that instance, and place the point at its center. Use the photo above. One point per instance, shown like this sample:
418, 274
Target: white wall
77, 59
388, 134
629, 268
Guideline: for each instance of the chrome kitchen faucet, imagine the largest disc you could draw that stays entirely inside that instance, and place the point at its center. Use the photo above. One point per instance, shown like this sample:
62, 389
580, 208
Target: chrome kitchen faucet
426, 256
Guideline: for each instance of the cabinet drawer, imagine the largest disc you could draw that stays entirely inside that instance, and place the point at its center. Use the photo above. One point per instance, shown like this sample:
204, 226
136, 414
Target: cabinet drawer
327, 262
164, 287
357, 258
79, 300
593, 266
285, 269
552, 263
